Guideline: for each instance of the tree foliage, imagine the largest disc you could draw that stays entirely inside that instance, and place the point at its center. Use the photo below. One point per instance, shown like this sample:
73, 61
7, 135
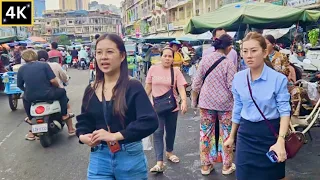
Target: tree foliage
63, 40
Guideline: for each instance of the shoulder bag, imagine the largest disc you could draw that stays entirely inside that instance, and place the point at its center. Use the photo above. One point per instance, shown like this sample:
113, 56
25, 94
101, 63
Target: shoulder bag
167, 102
214, 65
293, 140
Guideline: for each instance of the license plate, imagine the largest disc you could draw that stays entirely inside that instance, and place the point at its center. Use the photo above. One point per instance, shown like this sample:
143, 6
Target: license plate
40, 128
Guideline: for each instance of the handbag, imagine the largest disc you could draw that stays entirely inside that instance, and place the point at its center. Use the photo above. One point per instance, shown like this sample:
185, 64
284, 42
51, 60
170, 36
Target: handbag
214, 65
293, 140
114, 146
167, 102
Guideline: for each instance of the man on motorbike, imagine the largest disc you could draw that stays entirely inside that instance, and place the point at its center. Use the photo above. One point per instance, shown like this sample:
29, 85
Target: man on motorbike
63, 78
55, 53
83, 55
74, 53
39, 82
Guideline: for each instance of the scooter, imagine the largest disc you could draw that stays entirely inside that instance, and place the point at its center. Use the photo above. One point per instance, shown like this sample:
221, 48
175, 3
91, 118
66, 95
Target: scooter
75, 62
47, 120
82, 64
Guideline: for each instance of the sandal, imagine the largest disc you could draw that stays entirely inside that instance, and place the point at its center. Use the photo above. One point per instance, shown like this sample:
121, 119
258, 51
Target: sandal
157, 169
72, 133
28, 121
29, 138
207, 172
230, 170
70, 115
173, 158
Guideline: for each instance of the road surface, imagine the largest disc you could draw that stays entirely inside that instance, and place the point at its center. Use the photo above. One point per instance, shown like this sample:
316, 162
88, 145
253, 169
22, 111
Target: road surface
66, 159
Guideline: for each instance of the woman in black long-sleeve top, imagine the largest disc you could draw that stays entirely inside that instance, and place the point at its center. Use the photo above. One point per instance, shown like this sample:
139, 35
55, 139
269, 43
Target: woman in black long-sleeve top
113, 126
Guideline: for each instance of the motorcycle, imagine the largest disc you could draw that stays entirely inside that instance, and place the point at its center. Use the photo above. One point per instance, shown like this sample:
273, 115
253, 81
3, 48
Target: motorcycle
47, 120
75, 62
82, 64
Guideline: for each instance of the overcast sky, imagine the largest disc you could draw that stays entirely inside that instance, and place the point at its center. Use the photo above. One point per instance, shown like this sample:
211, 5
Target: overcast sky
54, 4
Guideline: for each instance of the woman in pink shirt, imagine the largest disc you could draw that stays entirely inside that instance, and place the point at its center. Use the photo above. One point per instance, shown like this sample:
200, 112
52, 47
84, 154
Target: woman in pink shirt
158, 82
215, 103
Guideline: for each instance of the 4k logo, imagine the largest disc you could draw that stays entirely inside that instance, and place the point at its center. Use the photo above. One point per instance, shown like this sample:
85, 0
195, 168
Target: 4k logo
16, 12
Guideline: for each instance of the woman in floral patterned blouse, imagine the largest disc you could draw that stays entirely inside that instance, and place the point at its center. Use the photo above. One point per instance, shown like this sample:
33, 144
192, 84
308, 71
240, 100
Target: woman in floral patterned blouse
281, 64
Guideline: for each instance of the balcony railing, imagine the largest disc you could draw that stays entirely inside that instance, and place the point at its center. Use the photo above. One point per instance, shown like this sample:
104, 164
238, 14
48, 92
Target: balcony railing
180, 23
172, 3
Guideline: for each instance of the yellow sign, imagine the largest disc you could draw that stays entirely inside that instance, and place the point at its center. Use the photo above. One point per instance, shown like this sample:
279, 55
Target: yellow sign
16, 12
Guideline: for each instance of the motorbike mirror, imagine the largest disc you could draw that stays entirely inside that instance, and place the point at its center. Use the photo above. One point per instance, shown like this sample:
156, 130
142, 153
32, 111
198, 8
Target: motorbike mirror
307, 61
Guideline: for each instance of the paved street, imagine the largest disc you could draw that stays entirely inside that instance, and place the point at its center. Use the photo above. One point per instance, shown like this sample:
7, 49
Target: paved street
67, 160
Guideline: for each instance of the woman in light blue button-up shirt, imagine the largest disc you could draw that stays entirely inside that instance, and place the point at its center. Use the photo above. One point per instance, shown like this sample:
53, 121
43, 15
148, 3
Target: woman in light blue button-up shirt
254, 137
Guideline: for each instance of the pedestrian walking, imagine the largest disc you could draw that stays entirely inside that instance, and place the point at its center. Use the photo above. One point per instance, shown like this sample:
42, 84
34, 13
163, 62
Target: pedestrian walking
116, 115
212, 84
259, 92
163, 81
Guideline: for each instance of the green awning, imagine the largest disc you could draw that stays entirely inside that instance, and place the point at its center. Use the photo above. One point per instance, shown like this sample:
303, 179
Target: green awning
7, 39
236, 16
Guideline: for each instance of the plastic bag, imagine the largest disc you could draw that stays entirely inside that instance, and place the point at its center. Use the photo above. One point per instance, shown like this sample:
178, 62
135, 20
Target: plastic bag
147, 144
192, 71
312, 91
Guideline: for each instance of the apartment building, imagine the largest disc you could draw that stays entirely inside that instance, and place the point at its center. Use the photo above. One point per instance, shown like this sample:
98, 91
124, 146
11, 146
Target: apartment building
163, 17
67, 4
39, 7
38, 26
74, 4
136, 16
80, 24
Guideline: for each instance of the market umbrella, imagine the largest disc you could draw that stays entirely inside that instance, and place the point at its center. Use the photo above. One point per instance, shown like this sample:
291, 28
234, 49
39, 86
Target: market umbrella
236, 16
5, 46
37, 39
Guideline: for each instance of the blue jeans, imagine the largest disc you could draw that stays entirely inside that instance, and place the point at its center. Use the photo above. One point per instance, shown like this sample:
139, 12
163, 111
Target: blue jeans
127, 164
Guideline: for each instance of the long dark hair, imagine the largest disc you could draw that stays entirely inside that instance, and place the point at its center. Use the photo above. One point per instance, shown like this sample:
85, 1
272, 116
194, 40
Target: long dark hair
297, 70
119, 90
223, 42
43, 55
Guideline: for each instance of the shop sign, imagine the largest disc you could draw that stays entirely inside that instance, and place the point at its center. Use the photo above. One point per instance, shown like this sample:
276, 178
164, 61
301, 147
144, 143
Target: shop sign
299, 3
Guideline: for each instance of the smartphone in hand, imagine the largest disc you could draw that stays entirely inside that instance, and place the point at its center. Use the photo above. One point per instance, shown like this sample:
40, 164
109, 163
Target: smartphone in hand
272, 156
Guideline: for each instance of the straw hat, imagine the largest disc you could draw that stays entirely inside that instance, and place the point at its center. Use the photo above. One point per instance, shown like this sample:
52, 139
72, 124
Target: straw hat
29, 55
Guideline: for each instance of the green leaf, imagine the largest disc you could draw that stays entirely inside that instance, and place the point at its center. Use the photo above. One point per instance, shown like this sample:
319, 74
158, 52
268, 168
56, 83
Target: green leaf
313, 36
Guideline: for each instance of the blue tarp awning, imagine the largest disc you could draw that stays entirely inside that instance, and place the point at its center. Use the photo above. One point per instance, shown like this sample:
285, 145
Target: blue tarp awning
12, 44
25, 42
79, 12
60, 33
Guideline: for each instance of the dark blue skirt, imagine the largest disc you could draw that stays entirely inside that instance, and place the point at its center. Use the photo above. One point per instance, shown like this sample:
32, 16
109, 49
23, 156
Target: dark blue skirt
253, 142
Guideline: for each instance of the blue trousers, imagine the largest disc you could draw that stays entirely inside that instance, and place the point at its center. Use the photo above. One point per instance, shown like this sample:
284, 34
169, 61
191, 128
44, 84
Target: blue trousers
127, 164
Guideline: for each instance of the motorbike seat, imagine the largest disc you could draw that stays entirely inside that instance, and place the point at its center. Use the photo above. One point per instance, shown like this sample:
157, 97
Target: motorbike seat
40, 101
54, 59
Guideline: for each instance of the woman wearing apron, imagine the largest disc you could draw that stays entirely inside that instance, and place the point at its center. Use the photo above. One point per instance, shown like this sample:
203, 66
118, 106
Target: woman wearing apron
254, 137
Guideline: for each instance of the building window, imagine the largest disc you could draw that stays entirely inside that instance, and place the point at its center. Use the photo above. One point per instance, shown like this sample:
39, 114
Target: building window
163, 20
197, 12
